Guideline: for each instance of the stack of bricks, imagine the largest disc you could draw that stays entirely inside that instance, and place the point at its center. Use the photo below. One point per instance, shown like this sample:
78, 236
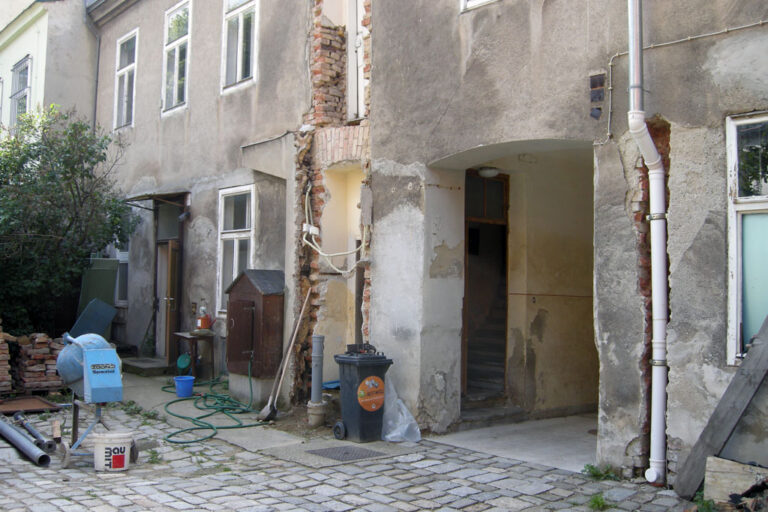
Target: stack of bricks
35, 368
5, 361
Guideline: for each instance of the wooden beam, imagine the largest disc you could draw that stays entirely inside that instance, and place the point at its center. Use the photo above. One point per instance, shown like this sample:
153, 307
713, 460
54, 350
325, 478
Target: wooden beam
726, 416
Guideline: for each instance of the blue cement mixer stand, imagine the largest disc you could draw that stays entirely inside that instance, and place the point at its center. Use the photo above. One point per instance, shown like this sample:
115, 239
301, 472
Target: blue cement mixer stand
90, 366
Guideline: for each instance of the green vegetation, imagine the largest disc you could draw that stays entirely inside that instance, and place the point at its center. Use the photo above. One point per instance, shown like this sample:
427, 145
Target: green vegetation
154, 457
58, 205
600, 474
703, 505
597, 502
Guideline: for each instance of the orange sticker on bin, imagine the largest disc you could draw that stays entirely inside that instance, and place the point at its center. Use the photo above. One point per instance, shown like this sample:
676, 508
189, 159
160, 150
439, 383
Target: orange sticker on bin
370, 393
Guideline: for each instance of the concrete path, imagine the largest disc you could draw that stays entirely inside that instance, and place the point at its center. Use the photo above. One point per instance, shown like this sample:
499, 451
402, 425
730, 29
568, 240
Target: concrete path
565, 443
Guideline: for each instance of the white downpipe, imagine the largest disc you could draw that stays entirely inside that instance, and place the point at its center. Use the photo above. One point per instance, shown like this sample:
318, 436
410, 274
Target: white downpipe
657, 471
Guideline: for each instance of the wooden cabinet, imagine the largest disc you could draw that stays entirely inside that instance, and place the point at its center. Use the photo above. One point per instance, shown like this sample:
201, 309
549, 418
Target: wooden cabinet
255, 322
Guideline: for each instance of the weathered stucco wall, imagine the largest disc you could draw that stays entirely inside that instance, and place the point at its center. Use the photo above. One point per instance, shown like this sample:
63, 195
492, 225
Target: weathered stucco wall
513, 71
397, 272
71, 59
218, 139
552, 366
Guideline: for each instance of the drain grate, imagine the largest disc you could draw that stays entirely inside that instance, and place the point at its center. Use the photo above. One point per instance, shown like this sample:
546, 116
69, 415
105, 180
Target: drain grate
346, 453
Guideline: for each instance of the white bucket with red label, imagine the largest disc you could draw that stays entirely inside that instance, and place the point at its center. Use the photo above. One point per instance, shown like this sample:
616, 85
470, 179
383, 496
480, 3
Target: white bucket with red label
112, 451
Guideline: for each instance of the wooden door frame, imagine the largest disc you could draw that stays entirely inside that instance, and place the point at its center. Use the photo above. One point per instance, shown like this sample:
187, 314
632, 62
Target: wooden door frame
504, 178
177, 245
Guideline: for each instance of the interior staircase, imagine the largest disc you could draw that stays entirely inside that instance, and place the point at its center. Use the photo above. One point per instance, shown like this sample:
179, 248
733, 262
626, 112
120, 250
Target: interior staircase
486, 352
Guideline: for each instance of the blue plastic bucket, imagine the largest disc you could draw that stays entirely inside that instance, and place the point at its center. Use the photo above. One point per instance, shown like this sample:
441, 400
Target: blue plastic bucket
184, 385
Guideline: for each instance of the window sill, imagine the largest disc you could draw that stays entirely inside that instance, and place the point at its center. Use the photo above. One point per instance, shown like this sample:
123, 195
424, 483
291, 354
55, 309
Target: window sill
236, 86
476, 5
121, 128
173, 110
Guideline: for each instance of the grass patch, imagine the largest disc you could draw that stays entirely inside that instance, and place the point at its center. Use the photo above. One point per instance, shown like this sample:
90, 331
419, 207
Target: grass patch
600, 474
703, 505
153, 457
597, 502
132, 407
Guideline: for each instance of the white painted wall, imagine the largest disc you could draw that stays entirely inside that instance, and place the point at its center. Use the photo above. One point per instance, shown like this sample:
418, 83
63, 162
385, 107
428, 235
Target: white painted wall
26, 35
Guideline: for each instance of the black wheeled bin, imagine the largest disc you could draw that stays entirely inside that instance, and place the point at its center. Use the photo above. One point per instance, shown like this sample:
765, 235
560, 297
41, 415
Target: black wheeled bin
361, 375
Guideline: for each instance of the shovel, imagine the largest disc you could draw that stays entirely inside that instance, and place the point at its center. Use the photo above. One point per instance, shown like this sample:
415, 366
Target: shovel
270, 410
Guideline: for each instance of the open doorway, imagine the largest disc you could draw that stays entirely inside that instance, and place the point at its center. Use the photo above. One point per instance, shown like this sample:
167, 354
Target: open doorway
484, 340
167, 274
528, 348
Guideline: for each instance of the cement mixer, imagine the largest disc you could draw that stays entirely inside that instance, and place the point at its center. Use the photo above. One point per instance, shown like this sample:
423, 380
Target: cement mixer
90, 366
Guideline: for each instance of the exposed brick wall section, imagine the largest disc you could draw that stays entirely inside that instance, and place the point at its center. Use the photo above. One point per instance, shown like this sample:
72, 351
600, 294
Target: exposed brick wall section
660, 131
366, 162
331, 141
328, 71
340, 144
302, 368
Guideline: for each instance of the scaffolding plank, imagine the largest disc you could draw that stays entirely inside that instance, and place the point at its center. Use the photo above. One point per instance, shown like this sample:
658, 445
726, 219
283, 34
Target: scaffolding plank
726, 416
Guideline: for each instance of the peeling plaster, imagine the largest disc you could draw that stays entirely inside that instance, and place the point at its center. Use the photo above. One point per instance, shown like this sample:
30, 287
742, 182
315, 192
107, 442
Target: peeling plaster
447, 261
384, 167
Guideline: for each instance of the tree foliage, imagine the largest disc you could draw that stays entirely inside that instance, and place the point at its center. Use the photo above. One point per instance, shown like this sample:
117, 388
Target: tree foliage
753, 159
58, 204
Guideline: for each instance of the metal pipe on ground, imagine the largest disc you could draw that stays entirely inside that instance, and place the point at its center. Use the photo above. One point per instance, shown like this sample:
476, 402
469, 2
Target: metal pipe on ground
21, 442
47, 445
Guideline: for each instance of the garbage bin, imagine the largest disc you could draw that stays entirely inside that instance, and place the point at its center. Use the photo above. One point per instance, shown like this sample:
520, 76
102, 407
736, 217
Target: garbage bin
361, 375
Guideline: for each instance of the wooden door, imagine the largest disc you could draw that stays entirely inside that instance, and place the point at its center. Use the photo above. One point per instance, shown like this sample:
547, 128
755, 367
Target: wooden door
240, 335
172, 301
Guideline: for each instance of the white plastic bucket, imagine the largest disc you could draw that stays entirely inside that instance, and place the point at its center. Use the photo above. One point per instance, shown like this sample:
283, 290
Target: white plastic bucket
112, 451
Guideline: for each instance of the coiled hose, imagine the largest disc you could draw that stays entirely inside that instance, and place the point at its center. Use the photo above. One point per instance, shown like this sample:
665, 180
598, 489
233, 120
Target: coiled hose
213, 403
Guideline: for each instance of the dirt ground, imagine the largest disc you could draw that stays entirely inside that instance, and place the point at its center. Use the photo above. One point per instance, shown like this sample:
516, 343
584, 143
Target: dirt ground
294, 420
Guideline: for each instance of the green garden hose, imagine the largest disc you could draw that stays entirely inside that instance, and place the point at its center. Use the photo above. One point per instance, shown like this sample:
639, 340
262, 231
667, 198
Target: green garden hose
213, 403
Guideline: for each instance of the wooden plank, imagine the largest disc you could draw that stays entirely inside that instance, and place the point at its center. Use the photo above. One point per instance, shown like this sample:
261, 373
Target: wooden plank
727, 414
726, 477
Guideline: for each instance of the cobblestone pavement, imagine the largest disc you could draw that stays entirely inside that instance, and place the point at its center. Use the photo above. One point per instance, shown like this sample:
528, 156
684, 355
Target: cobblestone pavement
215, 475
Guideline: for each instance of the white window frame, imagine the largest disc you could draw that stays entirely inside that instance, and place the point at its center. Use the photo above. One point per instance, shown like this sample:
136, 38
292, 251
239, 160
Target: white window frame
174, 45
471, 4
119, 72
737, 208
17, 90
238, 12
356, 82
233, 235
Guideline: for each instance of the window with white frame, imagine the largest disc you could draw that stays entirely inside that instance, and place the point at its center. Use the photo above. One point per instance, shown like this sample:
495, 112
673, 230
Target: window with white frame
125, 78
240, 23
356, 82
177, 25
235, 236
22, 78
747, 144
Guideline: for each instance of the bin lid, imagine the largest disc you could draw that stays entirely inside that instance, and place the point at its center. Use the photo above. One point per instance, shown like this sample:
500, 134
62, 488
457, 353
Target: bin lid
363, 359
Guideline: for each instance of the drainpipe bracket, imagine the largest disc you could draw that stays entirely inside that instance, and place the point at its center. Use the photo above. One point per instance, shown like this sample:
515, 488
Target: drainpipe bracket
658, 362
656, 216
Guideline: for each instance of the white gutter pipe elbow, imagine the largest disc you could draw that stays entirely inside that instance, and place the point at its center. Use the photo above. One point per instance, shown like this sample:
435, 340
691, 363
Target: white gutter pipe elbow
641, 136
657, 191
